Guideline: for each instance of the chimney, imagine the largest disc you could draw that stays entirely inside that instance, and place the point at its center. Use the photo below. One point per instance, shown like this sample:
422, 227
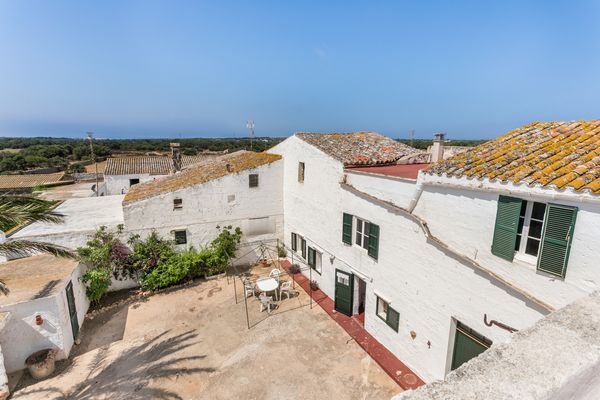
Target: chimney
229, 168
437, 150
176, 157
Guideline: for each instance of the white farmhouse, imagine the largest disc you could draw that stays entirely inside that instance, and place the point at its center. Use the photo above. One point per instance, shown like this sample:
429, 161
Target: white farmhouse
241, 189
444, 265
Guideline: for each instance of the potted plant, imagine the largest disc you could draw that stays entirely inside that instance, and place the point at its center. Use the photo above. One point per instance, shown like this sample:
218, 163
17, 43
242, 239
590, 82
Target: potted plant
314, 285
294, 268
41, 364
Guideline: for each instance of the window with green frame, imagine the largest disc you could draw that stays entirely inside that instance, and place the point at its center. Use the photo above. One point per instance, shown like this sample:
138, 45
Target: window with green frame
180, 237
387, 314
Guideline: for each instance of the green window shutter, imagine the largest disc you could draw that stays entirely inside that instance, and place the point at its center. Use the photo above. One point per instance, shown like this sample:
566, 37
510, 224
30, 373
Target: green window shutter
559, 225
393, 318
373, 247
347, 229
294, 243
311, 257
303, 247
507, 224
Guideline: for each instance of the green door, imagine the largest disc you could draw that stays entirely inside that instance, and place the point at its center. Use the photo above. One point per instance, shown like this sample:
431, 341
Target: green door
344, 289
72, 310
468, 344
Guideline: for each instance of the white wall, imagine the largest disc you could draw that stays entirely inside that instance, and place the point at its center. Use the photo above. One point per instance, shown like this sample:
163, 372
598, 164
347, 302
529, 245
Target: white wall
424, 285
465, 218
208, 205
21, 336
119, 184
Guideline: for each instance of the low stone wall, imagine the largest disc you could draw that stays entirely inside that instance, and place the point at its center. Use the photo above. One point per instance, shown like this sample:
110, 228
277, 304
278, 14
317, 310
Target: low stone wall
558, 358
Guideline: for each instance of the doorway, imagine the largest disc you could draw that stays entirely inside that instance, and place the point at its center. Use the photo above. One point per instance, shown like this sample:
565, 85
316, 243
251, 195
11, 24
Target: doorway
344, 288
360, 293
72, 310
468, 344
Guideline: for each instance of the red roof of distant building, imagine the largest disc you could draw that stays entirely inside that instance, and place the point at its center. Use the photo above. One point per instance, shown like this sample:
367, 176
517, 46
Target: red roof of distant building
407, 171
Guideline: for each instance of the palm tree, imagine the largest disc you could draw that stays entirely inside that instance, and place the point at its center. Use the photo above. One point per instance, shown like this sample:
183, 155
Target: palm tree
19, 210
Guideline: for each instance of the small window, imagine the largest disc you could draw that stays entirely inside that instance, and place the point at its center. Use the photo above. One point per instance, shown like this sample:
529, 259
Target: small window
387, 314
362, 233
300, 172
314, 259
177, 204
133, 182
294, 242
231, 198
529, 230
303, 247
180, 237
253, 180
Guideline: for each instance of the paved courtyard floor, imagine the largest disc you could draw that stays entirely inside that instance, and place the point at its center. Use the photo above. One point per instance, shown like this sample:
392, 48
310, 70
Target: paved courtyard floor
193, 343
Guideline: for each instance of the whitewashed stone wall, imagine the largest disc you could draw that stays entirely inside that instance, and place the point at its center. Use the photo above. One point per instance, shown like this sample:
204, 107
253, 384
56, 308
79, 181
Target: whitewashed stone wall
21, 336
221, 202
119, 184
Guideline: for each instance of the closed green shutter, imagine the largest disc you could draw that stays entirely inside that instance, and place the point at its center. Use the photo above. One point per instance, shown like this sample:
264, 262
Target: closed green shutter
507, 224
303, 247
373, 247
311, 257
294, 243
393, 318
347, 229
559, 225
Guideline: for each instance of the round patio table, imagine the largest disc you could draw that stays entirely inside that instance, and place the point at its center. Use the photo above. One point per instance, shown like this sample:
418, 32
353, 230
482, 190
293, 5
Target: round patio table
268, 285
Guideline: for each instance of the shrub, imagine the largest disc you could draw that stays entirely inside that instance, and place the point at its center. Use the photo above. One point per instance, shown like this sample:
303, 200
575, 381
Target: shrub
294, 268
281, 251
179, 267
150, 252
97, 281
314, 285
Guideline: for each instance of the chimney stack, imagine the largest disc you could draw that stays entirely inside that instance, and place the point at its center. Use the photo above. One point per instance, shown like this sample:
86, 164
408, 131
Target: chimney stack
437, 150
176, 157
229, 168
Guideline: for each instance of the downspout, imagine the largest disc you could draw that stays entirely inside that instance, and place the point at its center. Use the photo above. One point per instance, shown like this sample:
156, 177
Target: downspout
417, 194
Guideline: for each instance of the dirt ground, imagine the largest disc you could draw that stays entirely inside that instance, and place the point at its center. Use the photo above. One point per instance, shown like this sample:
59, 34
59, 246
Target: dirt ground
194, 343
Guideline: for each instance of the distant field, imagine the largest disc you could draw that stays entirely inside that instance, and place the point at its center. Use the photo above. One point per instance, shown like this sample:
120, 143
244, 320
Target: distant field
10, 150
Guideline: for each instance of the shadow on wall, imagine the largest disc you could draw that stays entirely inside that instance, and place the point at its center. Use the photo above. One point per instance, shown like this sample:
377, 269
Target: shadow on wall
127, 376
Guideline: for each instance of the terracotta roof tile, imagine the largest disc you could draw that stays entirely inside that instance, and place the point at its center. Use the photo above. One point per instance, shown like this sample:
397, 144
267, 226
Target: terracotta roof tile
29, 180
199, 173
360, 148
153, 165
554, 154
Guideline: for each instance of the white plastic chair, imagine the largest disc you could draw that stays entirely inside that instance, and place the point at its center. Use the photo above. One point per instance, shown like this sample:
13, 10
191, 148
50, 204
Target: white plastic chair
266, 302
286, 288
275, 274
249, 288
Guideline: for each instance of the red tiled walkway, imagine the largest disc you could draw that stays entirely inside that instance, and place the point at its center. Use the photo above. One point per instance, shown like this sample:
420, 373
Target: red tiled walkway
382, 356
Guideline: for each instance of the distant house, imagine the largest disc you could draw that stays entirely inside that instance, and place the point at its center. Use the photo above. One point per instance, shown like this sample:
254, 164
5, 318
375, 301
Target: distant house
25, 183
242, 189
121, 173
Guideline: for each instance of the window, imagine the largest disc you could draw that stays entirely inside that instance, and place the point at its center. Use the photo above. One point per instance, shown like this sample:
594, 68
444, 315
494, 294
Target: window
231, 198
294, 242
536, 232
133, 182
303, 247
177, 204
529, 230
253, 180
314, 259
362, 233
387, 314
300, 172
180, 237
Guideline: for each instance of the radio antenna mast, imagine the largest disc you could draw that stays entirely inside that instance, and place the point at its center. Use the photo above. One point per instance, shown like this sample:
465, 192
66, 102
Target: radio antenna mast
250, 126
90, 136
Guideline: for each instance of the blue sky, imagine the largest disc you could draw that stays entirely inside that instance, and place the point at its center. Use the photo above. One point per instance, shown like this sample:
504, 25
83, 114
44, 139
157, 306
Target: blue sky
184, 69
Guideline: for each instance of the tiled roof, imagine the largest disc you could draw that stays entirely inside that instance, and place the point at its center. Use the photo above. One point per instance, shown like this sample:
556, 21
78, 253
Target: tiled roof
29, 181
360, 148
559, 155
199, 173
153, 165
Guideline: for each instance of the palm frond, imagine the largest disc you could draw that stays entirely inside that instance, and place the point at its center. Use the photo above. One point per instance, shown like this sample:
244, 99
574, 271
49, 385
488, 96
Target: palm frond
17, 210
24, 248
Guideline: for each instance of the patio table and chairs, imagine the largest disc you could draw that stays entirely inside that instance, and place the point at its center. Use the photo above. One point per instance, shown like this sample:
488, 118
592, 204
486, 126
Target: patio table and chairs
268, 284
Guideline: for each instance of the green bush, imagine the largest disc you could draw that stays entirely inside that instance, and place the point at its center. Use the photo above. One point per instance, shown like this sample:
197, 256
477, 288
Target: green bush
150, 252
97, 281
176, 269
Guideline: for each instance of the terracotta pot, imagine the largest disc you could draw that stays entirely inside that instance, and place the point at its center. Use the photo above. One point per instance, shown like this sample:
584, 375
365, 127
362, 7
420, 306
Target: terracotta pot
41, 364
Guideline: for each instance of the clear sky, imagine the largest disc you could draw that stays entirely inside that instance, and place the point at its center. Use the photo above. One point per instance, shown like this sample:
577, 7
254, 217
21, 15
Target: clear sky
168, 69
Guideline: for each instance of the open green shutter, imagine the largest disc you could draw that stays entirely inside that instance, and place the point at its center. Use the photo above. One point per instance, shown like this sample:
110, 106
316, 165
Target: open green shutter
507, 224
303, 247
559, 225
373, 247
347, 229
311, 257
294, 243
393, 318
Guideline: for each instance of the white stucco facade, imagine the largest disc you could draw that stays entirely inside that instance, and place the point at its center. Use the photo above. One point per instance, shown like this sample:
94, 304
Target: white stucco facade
120, 184
21, 336
431, 287
229, 200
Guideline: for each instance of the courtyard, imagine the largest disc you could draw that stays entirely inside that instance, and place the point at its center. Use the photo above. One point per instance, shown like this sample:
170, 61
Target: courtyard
193, 342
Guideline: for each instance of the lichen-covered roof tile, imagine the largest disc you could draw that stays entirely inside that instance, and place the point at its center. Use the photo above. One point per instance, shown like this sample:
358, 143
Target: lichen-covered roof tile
553, 154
